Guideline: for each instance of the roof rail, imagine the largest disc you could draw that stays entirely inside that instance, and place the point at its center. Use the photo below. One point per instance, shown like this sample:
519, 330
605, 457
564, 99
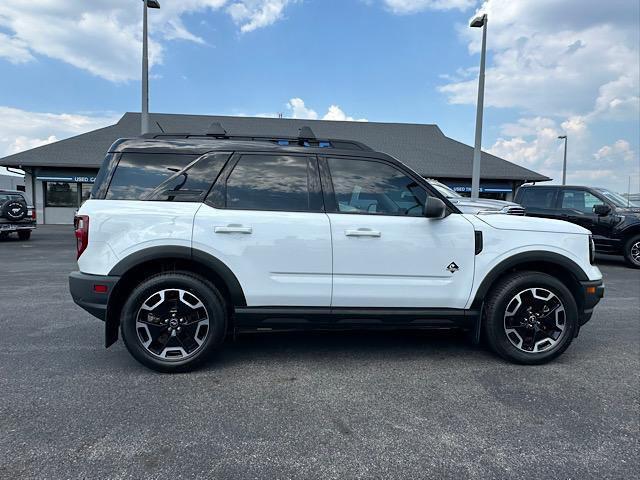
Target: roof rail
305, 138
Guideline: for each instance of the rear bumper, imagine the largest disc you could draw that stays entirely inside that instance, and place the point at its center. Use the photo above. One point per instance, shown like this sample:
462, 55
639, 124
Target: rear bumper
86, 294
16, 227
593, 292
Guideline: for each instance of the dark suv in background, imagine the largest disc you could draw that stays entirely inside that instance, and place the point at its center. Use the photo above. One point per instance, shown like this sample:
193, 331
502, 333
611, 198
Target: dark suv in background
612, 218
16, 215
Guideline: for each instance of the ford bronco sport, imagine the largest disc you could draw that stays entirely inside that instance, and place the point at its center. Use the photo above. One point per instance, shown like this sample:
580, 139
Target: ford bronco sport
187, 238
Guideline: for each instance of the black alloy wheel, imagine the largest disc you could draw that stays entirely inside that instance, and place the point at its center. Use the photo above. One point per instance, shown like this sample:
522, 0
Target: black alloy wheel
172, 321
530, 318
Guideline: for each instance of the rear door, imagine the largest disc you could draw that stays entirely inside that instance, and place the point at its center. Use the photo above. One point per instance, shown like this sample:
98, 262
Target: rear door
385, 252
264, 219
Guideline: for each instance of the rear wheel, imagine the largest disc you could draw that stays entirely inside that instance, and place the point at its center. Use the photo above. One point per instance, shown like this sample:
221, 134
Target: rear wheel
24, 234
632, 251
531, 318
172, 321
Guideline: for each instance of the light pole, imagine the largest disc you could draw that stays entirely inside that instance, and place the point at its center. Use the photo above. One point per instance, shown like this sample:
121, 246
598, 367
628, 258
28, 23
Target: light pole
145, 65
480, 21
564, 164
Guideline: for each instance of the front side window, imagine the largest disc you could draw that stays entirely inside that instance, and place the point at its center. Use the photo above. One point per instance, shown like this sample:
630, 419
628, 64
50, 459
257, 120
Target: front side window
376, 188
138, 174
579, 200
269, 182
61, 194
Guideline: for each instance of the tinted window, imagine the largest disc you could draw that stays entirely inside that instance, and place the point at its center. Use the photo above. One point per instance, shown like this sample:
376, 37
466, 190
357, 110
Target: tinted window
537, 198
192, 183
269, 182
7, 196
138, 174
580, 200
376, 188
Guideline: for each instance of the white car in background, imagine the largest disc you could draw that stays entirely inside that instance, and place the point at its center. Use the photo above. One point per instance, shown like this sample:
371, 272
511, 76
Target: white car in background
481, 206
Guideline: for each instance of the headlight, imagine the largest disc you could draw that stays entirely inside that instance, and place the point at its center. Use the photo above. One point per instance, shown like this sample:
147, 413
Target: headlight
592, 250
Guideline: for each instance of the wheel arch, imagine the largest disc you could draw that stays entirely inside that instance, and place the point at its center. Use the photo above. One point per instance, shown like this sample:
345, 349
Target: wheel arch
554, 264
142, 264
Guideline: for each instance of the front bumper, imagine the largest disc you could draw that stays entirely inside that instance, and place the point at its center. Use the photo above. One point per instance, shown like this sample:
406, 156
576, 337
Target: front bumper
592, 293
92, 292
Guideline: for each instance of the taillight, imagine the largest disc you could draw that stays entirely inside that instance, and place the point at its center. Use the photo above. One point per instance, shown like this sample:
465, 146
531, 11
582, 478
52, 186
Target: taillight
81, 223
33, 214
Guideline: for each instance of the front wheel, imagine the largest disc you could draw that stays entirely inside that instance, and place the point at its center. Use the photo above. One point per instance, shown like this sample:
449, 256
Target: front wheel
172, 321
531, 318
632, 251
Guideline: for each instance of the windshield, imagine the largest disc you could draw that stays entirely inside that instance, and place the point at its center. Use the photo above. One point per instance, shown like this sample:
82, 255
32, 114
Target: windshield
617, 199
446, 191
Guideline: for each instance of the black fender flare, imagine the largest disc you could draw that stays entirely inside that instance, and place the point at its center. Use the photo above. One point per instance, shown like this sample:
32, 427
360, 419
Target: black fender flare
184, 253
527, 257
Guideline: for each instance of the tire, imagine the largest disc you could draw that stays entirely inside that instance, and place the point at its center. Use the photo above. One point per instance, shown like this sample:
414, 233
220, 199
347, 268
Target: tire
4, 235
632, 251
520, 338
13, 210
24, 234
151, 324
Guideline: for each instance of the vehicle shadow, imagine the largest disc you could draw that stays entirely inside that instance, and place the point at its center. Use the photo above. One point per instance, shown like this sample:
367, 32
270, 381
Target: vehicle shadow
615, 260
288, 346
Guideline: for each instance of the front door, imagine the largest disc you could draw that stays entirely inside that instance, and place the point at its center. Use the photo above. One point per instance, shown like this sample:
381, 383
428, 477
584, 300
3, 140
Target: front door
385, 252
265, 222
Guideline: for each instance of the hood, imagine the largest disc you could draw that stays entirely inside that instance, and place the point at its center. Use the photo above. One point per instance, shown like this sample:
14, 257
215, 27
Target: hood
467, 205
628, 210
531, 224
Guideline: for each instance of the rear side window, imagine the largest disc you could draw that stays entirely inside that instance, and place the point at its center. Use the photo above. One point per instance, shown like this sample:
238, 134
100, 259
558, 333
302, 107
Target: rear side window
139, 174
269, 182
537, 198
192, 183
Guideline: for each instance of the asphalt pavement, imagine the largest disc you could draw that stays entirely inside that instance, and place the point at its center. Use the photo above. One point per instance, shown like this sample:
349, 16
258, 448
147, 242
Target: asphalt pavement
319, 405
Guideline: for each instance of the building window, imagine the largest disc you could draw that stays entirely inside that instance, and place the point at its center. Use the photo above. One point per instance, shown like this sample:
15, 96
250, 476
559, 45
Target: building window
61, 194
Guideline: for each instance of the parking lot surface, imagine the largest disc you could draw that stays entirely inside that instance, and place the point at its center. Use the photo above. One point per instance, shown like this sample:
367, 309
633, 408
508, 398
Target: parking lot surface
339, 405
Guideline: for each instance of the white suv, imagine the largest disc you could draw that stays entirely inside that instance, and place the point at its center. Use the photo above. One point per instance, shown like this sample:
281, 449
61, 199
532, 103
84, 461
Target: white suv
187, 238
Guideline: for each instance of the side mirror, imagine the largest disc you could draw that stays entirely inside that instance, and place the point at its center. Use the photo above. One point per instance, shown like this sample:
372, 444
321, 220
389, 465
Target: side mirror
434, 208
602, 210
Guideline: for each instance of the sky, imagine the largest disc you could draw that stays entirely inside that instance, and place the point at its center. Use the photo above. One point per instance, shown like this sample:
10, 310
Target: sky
554, 67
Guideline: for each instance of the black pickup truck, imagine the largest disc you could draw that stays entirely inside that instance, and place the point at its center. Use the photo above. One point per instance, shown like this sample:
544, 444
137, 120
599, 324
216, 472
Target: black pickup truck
613, 220
16, 215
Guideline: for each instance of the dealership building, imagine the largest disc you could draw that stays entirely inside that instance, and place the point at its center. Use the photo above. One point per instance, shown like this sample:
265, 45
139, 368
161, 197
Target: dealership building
59, 176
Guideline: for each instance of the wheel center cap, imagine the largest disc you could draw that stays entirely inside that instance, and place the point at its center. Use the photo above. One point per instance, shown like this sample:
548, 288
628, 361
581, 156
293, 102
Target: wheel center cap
173, 322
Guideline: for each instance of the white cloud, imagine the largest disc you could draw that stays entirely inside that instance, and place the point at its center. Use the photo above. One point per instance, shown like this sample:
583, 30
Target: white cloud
298, 109
566, 74
104, 38
21, 130
619, 152
413, 6
253, 14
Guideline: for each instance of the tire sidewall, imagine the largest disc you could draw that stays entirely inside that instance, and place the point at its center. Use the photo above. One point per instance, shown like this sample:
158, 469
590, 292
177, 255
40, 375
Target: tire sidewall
209, 296
5, 210
495, 319
627, 251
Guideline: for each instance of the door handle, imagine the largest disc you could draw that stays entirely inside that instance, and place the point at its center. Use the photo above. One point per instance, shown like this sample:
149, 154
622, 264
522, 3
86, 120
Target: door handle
233, 228
363, 232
